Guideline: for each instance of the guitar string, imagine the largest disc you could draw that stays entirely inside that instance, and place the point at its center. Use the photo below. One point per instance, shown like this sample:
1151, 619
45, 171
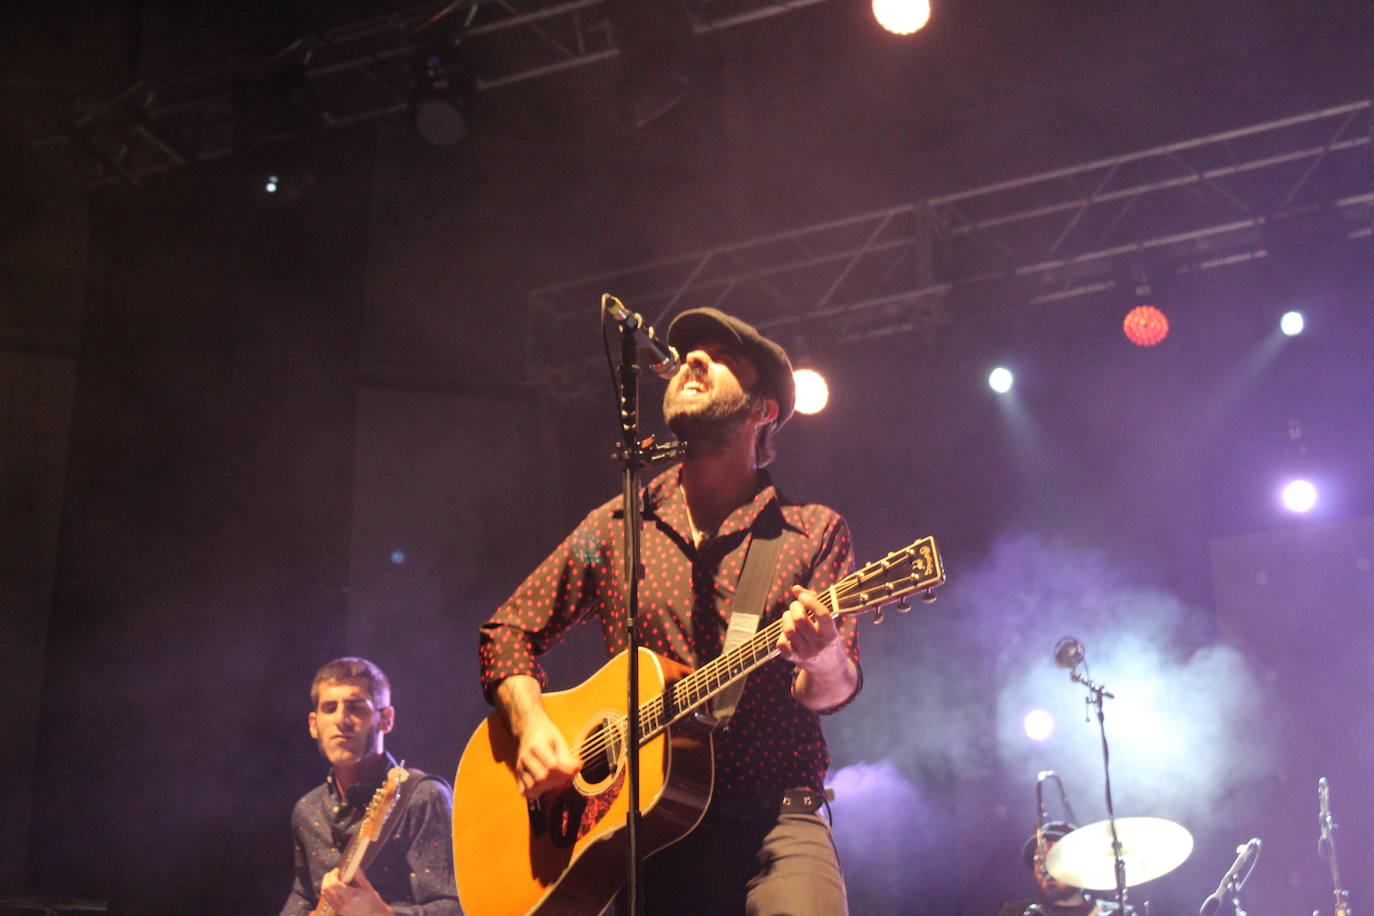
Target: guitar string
652, 711
721, 670
718, 672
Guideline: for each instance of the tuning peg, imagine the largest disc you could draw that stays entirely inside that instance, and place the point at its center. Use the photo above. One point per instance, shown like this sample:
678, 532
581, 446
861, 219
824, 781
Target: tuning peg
903, 606
929, 596
878, 615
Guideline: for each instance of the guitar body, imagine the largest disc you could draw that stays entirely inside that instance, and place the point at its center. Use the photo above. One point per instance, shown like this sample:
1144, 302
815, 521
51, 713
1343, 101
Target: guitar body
567, 853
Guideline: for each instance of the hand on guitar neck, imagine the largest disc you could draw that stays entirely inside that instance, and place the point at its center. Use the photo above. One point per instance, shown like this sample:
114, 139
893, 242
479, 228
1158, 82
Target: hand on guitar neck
810, 640
543, 761
357, 899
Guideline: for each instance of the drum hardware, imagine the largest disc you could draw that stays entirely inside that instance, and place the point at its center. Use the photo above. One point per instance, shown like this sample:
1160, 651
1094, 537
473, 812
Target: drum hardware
1040, 818
1326, 848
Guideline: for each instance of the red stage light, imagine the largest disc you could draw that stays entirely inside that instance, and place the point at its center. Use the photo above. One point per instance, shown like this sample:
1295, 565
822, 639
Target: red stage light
1145, 326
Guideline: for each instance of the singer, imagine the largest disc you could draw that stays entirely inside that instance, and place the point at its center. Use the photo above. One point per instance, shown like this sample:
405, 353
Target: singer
763, 844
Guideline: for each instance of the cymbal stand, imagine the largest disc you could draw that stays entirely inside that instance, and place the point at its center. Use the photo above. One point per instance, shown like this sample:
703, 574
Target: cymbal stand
1326, 848
1096, 693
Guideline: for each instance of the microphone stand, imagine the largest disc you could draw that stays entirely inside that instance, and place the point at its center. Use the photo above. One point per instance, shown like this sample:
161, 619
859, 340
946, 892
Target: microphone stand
1096, 693
1237, 884
634, 455
1326, 845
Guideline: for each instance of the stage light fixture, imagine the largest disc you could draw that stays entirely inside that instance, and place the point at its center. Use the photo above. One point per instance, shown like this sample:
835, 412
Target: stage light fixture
1291, 324
1038, 724
813, 393
1000, 380
1299, 496
276, 180
436, 109
1145, 326
901, 17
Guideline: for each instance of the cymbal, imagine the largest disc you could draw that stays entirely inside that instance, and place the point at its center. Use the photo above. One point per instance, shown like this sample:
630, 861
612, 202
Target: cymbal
1150, 847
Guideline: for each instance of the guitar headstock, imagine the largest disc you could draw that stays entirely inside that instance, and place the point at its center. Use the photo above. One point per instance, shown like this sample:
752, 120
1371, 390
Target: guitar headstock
383, 801
915, 568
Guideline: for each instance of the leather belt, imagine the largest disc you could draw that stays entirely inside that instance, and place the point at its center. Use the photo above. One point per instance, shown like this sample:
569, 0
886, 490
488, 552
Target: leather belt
766, 805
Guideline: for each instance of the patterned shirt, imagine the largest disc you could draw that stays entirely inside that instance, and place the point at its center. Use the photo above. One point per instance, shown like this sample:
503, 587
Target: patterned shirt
413, 872
773, 742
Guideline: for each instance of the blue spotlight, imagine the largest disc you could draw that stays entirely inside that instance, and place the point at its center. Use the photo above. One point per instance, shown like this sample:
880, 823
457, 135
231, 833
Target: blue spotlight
398, 557
1291, 324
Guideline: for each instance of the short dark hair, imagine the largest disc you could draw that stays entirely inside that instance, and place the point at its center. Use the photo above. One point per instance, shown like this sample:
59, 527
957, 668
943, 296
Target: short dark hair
352, 668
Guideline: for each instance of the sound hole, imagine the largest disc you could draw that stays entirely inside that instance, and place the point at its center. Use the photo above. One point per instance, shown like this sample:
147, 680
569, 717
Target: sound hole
601, 750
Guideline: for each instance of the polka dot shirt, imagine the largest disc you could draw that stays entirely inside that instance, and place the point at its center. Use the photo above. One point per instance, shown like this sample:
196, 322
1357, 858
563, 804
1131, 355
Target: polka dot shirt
773, 742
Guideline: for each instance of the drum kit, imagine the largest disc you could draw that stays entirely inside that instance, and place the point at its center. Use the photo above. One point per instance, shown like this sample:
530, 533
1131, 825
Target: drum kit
1122, 852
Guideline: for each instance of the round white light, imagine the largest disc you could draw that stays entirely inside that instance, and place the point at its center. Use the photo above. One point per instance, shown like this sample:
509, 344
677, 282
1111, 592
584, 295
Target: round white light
1039, 725
1000, 380
901, 17
1299, 496
812, 391
1291, 323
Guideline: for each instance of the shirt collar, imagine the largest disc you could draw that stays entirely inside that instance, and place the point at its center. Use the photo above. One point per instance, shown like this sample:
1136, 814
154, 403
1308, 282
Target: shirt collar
665, 500
361, 793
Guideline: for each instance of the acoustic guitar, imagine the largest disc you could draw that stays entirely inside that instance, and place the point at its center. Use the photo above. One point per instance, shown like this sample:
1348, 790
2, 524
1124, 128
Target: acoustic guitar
565, 853
369, 831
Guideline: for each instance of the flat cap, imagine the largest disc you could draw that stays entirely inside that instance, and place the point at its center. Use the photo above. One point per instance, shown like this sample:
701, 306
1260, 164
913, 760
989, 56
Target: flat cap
775, 370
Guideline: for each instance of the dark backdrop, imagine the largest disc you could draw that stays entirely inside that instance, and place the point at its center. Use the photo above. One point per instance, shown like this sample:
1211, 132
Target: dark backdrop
302, 431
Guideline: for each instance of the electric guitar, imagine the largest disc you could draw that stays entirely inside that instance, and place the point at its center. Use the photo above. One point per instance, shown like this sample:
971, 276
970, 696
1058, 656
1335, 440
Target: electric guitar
369, 831
566, 853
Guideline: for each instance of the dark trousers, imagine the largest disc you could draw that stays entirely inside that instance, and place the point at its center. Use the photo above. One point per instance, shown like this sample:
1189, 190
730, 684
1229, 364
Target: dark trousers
784, 866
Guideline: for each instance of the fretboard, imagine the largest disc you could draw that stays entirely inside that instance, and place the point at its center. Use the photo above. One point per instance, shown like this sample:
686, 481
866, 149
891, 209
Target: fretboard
711, 678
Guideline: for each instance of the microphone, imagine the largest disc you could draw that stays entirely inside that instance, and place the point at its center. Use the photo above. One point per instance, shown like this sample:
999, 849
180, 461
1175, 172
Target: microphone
1244, 854
1068, 653
1324, 818
664, 360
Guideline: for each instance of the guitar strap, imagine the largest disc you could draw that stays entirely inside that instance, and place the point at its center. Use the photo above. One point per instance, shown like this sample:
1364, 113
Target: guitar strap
755, 580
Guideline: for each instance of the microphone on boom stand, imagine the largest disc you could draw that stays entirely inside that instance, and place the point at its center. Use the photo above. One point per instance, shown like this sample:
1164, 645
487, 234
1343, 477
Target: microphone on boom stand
1068, 653
1229, 884
664, 360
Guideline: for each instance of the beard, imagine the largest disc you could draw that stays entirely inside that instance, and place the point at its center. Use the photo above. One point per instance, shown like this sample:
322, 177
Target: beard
706, 425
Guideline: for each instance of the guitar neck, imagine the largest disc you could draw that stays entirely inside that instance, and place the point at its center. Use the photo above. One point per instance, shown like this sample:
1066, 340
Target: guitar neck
713, 677
349, 863
914, 568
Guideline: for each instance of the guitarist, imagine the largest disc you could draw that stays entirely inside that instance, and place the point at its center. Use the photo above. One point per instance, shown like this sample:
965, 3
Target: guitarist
412, 872
762, 846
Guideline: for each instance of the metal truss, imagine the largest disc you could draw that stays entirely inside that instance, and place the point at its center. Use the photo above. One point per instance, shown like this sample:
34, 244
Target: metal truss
1078, 231
360, 72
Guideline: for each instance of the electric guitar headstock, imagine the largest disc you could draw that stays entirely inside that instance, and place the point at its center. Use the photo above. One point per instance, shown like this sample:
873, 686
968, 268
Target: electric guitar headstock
383, 803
